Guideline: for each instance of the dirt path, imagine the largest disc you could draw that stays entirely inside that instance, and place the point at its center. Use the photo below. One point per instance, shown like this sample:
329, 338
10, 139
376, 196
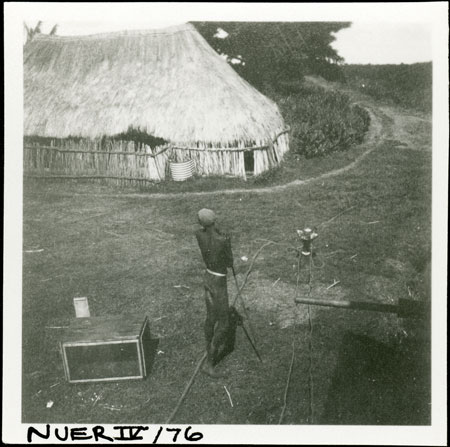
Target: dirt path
411, 132
401, 127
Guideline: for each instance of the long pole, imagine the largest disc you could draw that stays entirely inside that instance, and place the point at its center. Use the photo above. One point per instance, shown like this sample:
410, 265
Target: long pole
239, 295
357, 305
187, 388
406, 308
251, 342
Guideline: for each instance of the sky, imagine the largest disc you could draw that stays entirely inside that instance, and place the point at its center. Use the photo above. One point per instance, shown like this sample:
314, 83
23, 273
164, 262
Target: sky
384, 43
362, 43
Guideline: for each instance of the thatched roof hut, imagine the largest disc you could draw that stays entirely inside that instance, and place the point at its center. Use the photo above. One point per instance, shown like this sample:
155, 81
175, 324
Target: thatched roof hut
168, 83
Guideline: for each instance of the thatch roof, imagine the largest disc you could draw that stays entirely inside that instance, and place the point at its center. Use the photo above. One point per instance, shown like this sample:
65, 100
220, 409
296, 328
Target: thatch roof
169, 83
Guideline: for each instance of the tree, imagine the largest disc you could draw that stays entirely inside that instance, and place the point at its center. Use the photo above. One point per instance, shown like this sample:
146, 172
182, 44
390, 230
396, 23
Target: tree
269, 51
53, 30
32, 32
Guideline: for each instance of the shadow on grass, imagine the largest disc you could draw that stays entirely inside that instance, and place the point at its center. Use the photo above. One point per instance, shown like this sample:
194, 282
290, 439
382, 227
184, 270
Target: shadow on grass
378, 384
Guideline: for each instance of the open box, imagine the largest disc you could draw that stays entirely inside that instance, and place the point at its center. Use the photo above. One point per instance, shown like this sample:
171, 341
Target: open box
107, 348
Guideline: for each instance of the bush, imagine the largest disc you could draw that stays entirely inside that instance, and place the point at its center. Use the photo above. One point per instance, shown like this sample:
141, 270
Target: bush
321, 121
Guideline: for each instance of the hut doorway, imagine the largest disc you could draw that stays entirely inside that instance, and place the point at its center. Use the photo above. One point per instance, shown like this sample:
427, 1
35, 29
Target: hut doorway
249, 162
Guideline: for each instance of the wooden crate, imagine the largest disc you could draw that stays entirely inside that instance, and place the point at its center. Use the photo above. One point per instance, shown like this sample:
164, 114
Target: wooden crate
107, 348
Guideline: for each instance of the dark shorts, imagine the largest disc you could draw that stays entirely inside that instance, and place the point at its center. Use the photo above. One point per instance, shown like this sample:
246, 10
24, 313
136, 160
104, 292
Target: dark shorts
217, 324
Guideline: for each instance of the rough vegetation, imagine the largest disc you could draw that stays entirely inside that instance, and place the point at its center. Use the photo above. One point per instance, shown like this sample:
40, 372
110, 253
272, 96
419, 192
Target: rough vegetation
404, 85
321, 121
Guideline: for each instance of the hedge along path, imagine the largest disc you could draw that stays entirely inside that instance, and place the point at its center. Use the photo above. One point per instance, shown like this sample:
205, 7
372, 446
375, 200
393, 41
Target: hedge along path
372, 139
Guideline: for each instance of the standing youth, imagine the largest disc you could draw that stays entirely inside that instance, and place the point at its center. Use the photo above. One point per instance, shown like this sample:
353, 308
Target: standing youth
215, 247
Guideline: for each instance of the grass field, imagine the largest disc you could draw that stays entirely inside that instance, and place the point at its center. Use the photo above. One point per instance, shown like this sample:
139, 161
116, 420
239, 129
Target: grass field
128, 252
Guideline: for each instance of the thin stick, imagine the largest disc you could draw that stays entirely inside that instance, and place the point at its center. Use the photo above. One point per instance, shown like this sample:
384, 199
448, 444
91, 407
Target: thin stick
97, 398
243, 306
134, 154
247, 273
275, 282
310, 375
48, 279
334, 284
55, 176
229, 397
35, 394
288, 381
251, 342
111, 408
336, 216
186, 390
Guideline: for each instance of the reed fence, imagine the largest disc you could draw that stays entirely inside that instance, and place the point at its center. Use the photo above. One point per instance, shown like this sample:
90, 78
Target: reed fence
135, 162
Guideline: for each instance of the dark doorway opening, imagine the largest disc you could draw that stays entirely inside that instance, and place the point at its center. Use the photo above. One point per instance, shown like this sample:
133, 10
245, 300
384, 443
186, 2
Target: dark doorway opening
249, 162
